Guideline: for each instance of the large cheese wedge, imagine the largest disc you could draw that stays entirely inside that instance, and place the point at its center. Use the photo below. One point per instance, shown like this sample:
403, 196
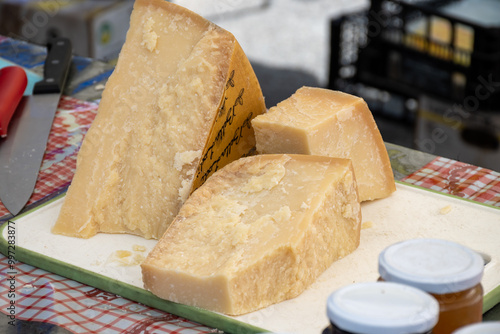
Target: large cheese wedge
258, 232
177, 107
331, 123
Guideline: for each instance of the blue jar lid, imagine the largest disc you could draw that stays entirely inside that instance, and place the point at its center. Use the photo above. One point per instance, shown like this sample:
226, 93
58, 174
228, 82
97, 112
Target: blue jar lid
382, 308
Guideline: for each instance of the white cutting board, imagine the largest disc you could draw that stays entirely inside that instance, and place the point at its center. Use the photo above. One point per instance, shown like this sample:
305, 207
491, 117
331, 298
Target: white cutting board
409, 213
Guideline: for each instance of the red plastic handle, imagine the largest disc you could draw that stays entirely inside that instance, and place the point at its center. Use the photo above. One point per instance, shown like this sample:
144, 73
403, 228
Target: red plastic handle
13, 81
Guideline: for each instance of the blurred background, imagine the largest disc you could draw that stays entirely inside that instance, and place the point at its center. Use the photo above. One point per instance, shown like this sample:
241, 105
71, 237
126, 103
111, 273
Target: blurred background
429, 69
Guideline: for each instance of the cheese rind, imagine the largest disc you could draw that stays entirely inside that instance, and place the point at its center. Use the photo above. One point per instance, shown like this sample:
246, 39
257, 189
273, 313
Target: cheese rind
257, 232
324, 122
163, 108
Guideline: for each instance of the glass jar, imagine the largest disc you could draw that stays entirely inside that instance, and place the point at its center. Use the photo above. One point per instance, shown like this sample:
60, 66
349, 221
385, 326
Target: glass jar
448, 271
491, 327
381, 307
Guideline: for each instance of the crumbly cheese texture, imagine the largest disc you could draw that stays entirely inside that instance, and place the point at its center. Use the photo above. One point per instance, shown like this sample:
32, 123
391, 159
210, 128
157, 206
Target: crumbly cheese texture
331, 123
168, 116
258, 232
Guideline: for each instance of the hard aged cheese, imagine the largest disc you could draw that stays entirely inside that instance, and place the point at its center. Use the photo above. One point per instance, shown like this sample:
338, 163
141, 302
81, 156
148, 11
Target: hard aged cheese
331, 123
258, 232
177, 107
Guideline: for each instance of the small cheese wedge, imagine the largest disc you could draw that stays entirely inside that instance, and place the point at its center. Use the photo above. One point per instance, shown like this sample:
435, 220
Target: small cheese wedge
177, 107
258, 232
331, 123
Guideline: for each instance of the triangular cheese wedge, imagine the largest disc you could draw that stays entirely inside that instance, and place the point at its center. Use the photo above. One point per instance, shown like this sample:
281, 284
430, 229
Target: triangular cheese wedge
258, 232
331, 123
177, 108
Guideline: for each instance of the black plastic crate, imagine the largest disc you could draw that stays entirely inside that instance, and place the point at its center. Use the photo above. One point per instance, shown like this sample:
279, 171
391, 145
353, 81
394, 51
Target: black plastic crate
397, 51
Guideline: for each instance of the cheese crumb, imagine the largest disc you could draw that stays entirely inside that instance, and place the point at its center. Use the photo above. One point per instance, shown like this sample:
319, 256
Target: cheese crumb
125, 258
445, 210
366, 225
138, 248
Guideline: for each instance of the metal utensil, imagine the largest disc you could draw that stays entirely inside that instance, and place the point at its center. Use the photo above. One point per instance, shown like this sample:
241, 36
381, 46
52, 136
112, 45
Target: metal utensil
21, 153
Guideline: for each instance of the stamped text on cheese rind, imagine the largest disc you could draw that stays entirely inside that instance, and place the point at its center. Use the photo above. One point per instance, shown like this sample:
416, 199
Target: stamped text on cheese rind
222, 132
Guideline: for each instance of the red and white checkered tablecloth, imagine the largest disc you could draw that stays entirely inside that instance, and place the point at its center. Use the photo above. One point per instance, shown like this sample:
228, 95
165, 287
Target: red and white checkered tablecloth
459, 179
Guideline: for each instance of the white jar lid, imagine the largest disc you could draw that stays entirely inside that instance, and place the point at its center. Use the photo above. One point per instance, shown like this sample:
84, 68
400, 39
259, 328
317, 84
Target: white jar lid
382, 308
489, 327
433, 265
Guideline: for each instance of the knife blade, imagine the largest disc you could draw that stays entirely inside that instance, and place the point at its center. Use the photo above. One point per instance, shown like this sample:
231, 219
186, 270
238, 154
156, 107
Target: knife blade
21, 153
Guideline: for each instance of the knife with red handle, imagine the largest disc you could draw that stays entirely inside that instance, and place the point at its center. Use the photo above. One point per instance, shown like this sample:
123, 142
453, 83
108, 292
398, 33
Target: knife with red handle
13, 81
21, 153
